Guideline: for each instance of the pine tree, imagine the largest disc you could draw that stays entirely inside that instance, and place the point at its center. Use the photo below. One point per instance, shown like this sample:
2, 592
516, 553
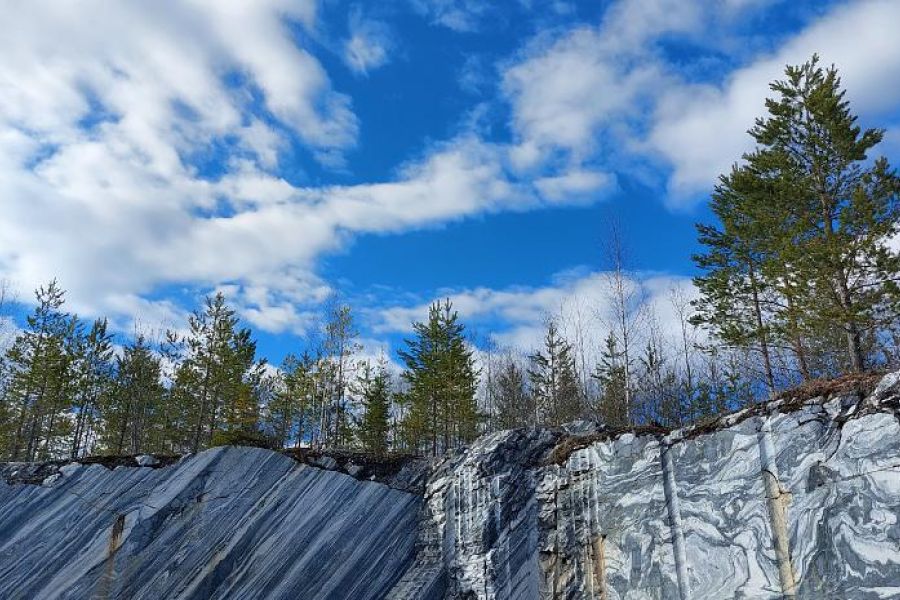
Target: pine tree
725, 385
515, 405
610, 373
374, 386
133, 413
291, 406
241, 386
848, 209
802, 250
662, 395
554, 381
442, 379
39, 362
215, 382
92, 370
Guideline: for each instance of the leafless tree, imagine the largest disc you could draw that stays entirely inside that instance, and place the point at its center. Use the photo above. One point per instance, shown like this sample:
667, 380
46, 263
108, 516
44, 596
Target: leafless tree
624, 305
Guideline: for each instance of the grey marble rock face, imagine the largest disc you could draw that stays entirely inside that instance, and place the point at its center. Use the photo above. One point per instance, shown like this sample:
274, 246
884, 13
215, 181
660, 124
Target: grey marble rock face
226, 523
477, 535
792, 500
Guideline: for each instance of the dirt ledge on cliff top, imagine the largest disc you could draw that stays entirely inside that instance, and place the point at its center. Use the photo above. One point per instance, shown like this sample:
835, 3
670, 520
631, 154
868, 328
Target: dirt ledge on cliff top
400, 471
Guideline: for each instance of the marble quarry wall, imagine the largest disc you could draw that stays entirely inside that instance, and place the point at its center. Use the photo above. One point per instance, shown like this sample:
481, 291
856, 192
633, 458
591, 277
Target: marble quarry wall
794, 499
790, 500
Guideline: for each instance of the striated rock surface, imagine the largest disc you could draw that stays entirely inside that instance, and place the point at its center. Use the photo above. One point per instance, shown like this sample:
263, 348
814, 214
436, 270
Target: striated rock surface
226, 523
799, 498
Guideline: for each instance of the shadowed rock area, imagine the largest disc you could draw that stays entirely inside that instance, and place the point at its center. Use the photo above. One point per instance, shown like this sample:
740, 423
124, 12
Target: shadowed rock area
798, 498
226, 523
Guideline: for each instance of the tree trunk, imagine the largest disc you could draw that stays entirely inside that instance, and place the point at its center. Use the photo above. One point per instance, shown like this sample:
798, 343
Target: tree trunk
797, 340
763, 339
204, 398
851, 327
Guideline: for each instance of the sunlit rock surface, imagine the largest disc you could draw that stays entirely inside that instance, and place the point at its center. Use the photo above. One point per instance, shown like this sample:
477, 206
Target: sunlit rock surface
685, 515
796, 499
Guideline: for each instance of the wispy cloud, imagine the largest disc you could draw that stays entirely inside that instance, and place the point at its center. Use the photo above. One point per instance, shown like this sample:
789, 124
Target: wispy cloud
701, 129
368, 45
459, 15
607, 93
580, 302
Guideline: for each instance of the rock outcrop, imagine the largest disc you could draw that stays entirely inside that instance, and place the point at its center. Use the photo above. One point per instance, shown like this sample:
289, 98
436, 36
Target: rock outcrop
799, 498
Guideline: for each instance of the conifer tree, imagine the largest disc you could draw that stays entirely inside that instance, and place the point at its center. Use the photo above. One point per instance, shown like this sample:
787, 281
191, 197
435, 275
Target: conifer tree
610, 373
847, 209
215, 382
133, 413
554, 381
734, 293
243, 378
291, 406
802, 247
38, 364
374, 387
442, 379
515, 405
92, 372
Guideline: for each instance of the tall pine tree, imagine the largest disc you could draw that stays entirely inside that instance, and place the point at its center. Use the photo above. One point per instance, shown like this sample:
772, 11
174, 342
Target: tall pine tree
802, 245
847, 209
374, 387
441, 378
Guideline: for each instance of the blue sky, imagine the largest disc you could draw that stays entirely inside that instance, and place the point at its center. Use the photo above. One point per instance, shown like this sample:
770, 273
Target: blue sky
392, 152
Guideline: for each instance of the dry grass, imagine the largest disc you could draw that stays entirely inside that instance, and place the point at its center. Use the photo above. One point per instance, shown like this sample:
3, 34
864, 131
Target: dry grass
862, 384
569, 444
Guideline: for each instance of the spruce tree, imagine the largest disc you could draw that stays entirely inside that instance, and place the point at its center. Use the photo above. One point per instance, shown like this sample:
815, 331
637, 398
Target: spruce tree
374, 387
610, 372
515, 405
554, 381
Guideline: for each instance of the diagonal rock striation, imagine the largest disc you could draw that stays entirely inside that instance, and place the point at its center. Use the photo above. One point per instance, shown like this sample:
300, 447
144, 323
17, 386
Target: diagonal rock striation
226, 523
